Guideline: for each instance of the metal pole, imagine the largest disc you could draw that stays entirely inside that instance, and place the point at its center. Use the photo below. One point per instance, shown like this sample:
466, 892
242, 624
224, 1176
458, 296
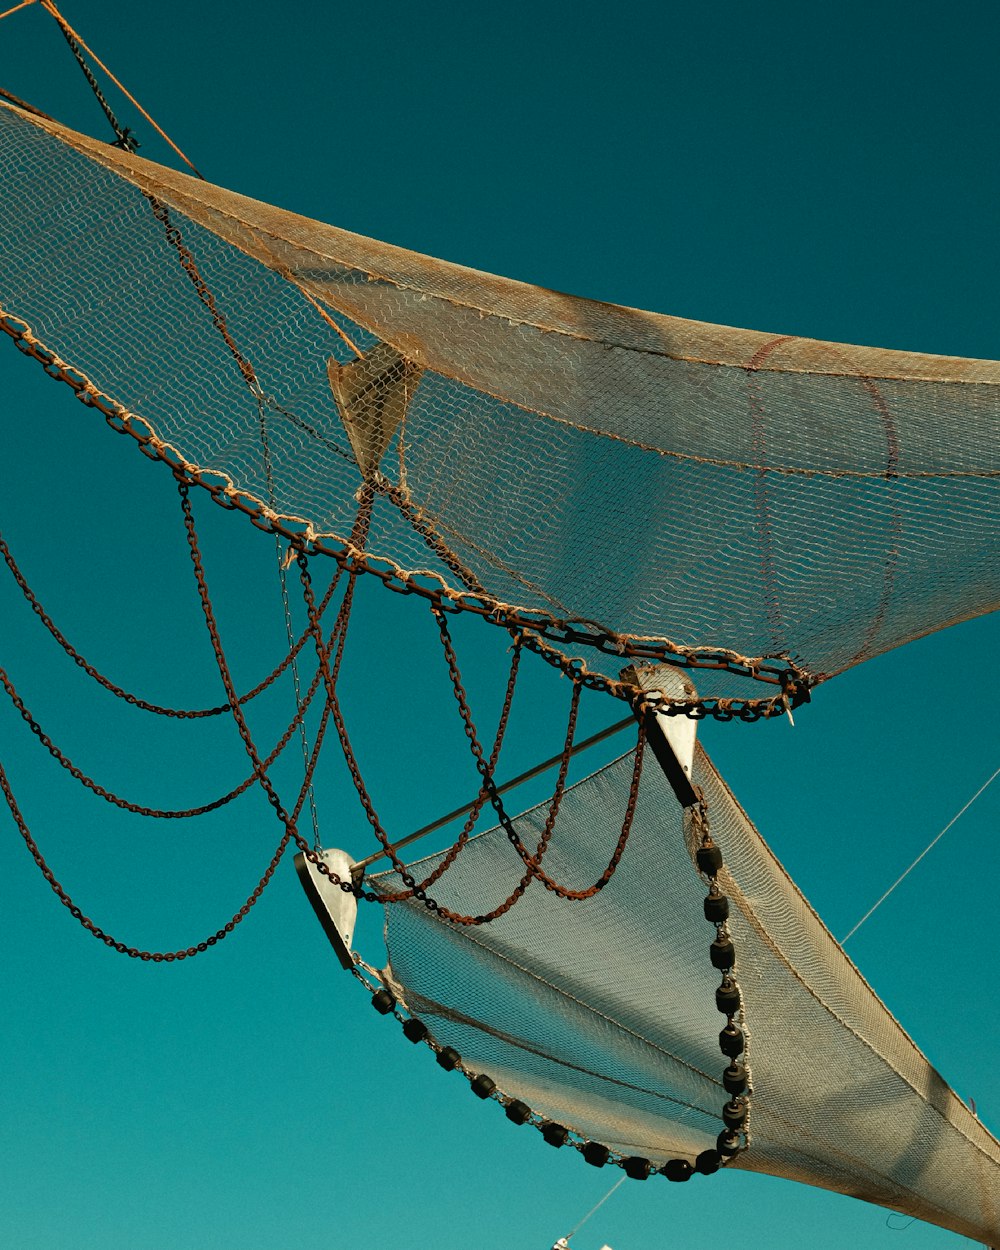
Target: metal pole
507, 785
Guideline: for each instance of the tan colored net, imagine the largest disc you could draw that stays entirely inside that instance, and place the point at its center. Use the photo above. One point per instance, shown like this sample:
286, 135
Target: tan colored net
602, 1015
700, 487
765, 508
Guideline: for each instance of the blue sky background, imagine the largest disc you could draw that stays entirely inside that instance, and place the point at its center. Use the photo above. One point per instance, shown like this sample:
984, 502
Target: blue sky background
826, 172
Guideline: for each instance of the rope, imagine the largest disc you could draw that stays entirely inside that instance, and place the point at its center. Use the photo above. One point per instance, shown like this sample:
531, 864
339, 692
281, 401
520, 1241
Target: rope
620, 1181
11, 98
123, 136
72, 37
23, 5
934, 841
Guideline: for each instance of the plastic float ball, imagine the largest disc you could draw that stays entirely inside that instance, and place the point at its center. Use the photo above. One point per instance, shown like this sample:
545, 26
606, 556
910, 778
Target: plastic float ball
677, 1170
734, 1078
448, 1058
555, 1134
415, 1030
731, 1041
637, 1167
517, 1112
383, 1002
482, 1086
728, 1143
716, 908
734, 1113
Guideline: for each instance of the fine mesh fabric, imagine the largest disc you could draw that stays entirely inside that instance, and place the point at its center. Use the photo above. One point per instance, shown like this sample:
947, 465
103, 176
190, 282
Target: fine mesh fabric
601, 1014
755, 494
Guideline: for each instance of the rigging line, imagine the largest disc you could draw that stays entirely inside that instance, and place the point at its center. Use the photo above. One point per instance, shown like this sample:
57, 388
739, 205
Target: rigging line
11, 98
985, 786
538, 769
23, 5
68, 30
123, 136
297, 687
289, 630
620, 1181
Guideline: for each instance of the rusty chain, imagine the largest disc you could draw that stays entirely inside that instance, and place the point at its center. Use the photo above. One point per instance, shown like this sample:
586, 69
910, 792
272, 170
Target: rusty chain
533, 862
122, 948
414, 889
132, 699
795, 683
139, 809
539, 631
259, 773
475, 810
415, 517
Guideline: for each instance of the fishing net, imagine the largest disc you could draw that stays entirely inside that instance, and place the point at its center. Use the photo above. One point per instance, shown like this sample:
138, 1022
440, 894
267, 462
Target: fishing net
776, 507
603, 1016
595, 480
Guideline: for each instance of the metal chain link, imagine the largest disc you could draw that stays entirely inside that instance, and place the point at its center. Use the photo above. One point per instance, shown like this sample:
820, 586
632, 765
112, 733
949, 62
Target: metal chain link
796, 685
122, 948
476, 809
132, 699
533, 863
416, 517
139, 809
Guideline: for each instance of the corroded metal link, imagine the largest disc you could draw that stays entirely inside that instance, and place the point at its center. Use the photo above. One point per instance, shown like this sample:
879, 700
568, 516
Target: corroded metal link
533, 862
291, 833
134, 952
413, 888
795, 683
133, 699
243, 729
350, 558
475, 810
416, 518
137, 808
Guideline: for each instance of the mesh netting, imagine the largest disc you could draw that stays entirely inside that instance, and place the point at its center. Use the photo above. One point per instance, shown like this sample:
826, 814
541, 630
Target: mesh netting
776, 507
601, 1015
657, 478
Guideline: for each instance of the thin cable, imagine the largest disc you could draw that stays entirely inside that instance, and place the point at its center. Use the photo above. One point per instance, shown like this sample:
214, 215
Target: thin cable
573, 1231
297, 686
123, 136
902, 877
23, 5
50, 8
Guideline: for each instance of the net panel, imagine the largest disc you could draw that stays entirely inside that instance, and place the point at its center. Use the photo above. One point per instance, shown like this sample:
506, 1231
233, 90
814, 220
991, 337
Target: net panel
601, 1015
662, 479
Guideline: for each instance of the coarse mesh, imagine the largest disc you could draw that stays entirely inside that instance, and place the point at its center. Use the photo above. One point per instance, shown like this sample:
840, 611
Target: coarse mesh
664, 479
746, 493
601, 1014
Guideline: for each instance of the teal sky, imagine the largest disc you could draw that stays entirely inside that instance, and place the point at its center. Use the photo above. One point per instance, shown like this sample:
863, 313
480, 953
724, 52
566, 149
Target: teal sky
825, 172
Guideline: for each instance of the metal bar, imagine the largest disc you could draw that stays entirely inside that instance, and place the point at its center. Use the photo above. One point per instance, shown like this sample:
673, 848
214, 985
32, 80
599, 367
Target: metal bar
593, 740
662, 736
672, 768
